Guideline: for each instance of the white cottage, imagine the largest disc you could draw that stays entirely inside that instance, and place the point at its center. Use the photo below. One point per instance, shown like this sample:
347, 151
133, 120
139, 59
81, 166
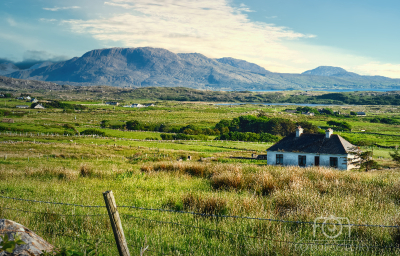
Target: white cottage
303, 149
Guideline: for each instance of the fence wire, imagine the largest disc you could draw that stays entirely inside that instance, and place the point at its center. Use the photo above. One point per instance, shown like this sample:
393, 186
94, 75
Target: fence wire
207, 215
253, 237
192, 226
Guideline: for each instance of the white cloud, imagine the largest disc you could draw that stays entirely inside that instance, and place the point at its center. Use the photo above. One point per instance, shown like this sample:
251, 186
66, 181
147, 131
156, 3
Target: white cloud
18, 39
376, 67
48, 20
35, 55
11, 22
19, 24
217, 29
54, 9
211, 27
244, 8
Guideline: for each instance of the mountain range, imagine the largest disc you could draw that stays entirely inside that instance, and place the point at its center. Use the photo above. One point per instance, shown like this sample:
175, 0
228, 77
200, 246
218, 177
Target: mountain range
145, 66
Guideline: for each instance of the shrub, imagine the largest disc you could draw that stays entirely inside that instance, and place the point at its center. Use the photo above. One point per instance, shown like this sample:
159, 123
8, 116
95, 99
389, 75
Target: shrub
261, 182
86, 171
93, 132
207, 205
71, 127
227, 179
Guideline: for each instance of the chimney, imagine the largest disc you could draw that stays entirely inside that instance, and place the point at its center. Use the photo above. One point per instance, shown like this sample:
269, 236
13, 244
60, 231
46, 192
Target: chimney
328, 133
299, 131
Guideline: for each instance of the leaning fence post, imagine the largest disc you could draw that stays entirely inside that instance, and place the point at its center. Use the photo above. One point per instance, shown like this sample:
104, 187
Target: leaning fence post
116, 223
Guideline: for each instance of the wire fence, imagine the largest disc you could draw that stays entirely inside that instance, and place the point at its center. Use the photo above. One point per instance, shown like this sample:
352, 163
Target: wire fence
205, 214
142, 224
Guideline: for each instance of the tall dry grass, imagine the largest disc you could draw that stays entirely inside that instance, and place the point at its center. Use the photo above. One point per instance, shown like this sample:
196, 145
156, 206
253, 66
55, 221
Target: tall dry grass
294, 192
261, 180
85, 170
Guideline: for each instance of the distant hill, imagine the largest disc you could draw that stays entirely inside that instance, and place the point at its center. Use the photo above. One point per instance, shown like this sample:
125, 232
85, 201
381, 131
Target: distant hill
330, 71
41, 65
12, 84
7, 68
242, 64
145, 66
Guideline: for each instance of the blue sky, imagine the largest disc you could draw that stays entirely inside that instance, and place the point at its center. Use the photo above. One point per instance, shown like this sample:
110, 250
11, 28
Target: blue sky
280, 35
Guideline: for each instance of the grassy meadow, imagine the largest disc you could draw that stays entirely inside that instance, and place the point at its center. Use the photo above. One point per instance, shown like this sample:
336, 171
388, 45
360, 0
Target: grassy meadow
38, 162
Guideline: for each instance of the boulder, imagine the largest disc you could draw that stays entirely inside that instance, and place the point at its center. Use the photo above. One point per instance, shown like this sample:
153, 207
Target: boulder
34, 244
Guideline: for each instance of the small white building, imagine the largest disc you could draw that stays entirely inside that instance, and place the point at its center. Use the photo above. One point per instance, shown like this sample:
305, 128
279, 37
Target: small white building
112, 103
302, 149
39, 106
137, 105
22, 106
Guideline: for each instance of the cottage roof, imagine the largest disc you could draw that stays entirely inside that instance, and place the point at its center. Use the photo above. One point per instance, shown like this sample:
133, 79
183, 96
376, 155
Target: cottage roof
313, 143
39, 106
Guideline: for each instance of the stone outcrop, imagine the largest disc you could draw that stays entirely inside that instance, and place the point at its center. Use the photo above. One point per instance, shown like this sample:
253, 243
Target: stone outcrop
34, 244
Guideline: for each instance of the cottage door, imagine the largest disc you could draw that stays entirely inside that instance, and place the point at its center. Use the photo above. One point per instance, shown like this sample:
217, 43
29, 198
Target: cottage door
316, 161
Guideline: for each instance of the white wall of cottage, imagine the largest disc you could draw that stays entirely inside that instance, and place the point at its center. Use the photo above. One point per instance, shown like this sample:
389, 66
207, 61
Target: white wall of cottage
291, 158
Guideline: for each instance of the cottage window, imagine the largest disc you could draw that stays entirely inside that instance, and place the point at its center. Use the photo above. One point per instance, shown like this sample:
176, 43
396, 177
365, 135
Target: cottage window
279, 159
302, 160
333, 162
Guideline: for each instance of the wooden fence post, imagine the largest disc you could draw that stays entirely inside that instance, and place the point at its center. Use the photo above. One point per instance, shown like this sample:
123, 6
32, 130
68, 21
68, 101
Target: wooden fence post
116, 223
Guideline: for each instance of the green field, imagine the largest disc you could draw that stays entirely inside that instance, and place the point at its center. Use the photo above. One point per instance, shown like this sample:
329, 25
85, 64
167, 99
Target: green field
39, 161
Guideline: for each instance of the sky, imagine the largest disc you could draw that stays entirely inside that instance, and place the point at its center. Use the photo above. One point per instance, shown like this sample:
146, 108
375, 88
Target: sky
287, 36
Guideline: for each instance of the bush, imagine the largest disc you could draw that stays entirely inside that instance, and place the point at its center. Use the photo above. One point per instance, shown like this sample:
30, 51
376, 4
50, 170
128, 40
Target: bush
207, 205
385, 120
182, 136
344, 126
71, 127
261, 124
227, 180
134, 125
248, 136
112, 124
86, 171
93, 132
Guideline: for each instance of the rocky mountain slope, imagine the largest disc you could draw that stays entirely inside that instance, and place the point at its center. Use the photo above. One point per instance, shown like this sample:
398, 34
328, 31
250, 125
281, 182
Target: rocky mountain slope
141, 67
330, 71
41, 65
12, 84
7, 68
242, 64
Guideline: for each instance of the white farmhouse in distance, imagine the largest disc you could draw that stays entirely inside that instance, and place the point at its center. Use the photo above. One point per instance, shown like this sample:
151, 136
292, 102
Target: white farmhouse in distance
302, 149
138, 105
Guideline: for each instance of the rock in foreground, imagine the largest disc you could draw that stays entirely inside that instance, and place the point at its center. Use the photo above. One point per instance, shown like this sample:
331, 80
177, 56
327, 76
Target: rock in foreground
34, 244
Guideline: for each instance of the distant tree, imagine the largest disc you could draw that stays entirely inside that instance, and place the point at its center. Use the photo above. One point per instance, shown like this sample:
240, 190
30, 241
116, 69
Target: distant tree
163, 128
72, 127
134, 125
165, 136
327, 111
93, 132
307, 109
345, 126
103, 123
395, 156
308, 127
363, 159
262, 113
